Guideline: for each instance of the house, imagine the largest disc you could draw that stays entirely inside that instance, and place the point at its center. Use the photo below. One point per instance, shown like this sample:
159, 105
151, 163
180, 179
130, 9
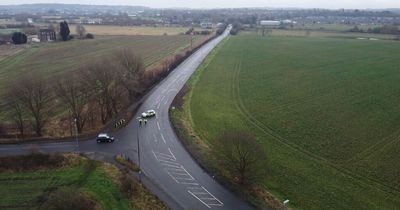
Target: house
207, 25
270, 23
33, 39
47, 35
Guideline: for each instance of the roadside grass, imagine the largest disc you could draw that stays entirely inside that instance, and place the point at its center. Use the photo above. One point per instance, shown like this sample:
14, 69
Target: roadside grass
325, 110
100, 182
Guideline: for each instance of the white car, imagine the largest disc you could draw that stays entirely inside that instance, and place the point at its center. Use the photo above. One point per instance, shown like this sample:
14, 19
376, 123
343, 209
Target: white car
149, 113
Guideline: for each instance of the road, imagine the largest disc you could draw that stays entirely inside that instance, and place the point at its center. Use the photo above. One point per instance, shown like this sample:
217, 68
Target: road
164, 160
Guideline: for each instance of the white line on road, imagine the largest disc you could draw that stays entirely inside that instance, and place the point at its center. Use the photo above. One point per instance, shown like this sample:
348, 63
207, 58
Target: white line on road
162, 136
171, 153
171, 166
158, 125
190, 183
199, 199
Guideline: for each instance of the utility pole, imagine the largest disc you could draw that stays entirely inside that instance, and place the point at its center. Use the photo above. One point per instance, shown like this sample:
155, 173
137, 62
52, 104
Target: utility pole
138, 149
191, 41
76, 134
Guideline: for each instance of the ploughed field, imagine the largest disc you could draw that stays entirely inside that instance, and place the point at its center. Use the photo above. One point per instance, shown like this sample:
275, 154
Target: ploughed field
326, 110
52, 58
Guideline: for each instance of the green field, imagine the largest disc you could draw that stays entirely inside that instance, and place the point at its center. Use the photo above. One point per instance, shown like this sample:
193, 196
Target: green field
25, 190
325, 109
52, 58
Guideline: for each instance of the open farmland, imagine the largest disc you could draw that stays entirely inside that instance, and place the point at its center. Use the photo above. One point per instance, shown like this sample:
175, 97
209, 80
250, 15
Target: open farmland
131, 30
325, 109
52, 58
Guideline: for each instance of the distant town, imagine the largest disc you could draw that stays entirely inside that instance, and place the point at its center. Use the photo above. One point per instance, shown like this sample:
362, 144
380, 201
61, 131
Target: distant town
15, 18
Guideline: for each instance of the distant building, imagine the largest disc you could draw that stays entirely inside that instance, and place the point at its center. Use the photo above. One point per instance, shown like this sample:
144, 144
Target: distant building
30, 20
93, 21
270, 23
208, 25
47, 35
33, 39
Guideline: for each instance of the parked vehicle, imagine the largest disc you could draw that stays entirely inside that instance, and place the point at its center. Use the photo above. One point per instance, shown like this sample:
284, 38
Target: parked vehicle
149, 113
104, 137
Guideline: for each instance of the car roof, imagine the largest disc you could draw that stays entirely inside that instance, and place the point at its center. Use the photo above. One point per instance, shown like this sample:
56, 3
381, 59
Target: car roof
103, 135
151, 110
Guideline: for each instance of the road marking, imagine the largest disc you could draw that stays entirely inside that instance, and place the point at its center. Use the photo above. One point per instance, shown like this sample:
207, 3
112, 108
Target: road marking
180, 175
162, 136
165, 102
206, 200
158, 106
190, 183
171, 153
199, 199
173, 166
158, 125
194, 188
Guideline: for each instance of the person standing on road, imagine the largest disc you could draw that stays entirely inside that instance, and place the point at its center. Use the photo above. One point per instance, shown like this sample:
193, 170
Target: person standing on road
145, 121
140, 122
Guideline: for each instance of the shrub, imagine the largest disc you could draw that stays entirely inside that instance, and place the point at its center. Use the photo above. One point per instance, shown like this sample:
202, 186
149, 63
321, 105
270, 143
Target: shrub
19, 38
68, 198
31, 161
89, 36
3, 130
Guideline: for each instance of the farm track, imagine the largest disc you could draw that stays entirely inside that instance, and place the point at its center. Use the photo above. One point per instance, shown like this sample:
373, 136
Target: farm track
271, 133
375, 148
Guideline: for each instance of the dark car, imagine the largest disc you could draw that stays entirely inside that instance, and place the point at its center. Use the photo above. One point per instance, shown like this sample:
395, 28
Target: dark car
103, 137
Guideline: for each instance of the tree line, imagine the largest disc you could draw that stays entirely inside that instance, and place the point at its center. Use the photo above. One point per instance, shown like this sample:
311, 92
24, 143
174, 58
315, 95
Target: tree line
102, 88
93, 93
386, 29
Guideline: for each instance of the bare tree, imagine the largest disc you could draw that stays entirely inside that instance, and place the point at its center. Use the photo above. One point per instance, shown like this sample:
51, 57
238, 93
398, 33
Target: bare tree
100, 77
75, 96
131, 71
34, 93
241, 155
17, 109
81, 31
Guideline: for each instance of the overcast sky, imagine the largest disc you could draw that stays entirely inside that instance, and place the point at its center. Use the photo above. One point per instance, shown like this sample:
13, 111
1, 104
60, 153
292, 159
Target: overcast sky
332, 4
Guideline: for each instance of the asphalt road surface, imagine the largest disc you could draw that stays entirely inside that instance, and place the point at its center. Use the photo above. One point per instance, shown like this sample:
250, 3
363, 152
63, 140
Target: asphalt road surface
164, 160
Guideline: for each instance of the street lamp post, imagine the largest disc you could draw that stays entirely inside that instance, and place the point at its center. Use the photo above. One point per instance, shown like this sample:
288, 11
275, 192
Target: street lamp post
76, 134
138, 149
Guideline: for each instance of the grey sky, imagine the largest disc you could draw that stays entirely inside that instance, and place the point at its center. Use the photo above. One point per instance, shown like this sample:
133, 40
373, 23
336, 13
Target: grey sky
332, 4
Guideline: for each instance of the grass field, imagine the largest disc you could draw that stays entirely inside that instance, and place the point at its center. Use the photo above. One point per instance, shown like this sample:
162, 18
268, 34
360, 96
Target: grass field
130, 30
24, 190
327, 34
52, 58
325, 109
334, 27
32, 187
9, 30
